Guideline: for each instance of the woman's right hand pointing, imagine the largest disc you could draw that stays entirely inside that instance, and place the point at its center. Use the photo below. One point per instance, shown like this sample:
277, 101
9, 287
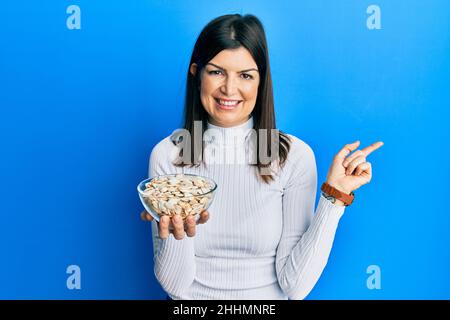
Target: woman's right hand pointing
176, 225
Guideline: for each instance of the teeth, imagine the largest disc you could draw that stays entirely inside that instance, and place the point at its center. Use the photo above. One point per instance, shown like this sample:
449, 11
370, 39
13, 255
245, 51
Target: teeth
228, 103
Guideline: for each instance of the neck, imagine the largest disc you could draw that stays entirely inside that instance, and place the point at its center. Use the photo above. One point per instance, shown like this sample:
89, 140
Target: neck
229, 135
227, 125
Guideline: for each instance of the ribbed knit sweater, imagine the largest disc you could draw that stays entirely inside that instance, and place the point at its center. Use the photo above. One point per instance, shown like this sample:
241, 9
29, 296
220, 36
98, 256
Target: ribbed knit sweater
262, 241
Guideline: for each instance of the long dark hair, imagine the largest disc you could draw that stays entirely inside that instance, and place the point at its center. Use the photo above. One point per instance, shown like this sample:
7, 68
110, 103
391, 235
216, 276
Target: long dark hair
231, 32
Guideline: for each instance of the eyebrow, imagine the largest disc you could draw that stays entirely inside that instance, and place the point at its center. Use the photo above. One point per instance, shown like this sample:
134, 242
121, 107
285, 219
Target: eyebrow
219, 67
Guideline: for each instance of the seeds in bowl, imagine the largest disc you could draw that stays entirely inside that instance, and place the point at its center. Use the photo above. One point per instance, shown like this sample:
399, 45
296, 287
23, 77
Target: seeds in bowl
178, 194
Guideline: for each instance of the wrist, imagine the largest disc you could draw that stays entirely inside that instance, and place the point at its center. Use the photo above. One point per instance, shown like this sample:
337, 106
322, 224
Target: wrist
336, 194
337, 186
339, 203
333, 199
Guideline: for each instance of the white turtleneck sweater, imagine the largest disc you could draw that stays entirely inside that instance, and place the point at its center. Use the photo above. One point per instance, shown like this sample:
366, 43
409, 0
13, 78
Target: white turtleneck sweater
262, 241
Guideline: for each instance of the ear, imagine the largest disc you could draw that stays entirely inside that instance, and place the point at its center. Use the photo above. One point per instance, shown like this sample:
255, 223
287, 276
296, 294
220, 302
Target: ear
193, 69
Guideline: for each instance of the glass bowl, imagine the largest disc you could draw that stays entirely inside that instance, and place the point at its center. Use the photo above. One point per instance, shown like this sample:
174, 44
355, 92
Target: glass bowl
176, 194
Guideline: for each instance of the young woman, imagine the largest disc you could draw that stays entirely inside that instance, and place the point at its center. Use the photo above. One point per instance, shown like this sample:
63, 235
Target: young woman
264, 240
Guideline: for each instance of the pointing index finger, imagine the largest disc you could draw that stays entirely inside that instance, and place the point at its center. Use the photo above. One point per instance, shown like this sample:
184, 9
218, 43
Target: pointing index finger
374, 146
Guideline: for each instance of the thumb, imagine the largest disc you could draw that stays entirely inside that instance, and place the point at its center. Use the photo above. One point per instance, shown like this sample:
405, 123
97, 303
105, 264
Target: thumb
145, 216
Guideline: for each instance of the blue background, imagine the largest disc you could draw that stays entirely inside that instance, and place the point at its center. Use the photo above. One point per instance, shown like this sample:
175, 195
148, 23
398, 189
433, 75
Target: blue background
82, 109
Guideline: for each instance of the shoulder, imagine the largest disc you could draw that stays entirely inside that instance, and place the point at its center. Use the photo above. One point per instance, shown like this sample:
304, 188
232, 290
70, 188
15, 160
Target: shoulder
299, 150
165, 150
300, 163
162, 157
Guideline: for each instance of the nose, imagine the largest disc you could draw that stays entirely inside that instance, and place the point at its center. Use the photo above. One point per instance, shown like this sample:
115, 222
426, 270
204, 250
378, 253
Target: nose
229, 88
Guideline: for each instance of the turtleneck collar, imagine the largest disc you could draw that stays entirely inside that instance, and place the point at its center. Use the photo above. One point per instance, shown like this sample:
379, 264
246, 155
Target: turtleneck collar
229, 135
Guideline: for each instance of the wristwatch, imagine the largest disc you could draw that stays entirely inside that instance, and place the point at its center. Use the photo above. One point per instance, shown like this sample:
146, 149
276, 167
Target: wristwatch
332, 194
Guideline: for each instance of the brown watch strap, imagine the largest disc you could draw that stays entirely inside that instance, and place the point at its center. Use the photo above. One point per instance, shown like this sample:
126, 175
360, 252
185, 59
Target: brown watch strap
347, 199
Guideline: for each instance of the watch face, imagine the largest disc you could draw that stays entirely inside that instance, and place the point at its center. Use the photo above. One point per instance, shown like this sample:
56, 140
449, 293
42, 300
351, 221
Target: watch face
328, 197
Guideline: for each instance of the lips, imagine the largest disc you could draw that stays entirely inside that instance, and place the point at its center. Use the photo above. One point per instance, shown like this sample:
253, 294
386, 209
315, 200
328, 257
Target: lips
225, 104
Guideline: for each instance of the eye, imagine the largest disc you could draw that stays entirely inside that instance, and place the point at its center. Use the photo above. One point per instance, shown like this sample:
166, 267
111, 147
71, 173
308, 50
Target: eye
214, 72
247, 76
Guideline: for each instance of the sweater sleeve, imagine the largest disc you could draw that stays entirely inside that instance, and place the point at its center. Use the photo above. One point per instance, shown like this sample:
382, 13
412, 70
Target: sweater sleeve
174, 261
307, 238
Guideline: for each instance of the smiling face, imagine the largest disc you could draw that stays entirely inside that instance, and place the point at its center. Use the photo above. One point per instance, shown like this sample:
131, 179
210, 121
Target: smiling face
229, 87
